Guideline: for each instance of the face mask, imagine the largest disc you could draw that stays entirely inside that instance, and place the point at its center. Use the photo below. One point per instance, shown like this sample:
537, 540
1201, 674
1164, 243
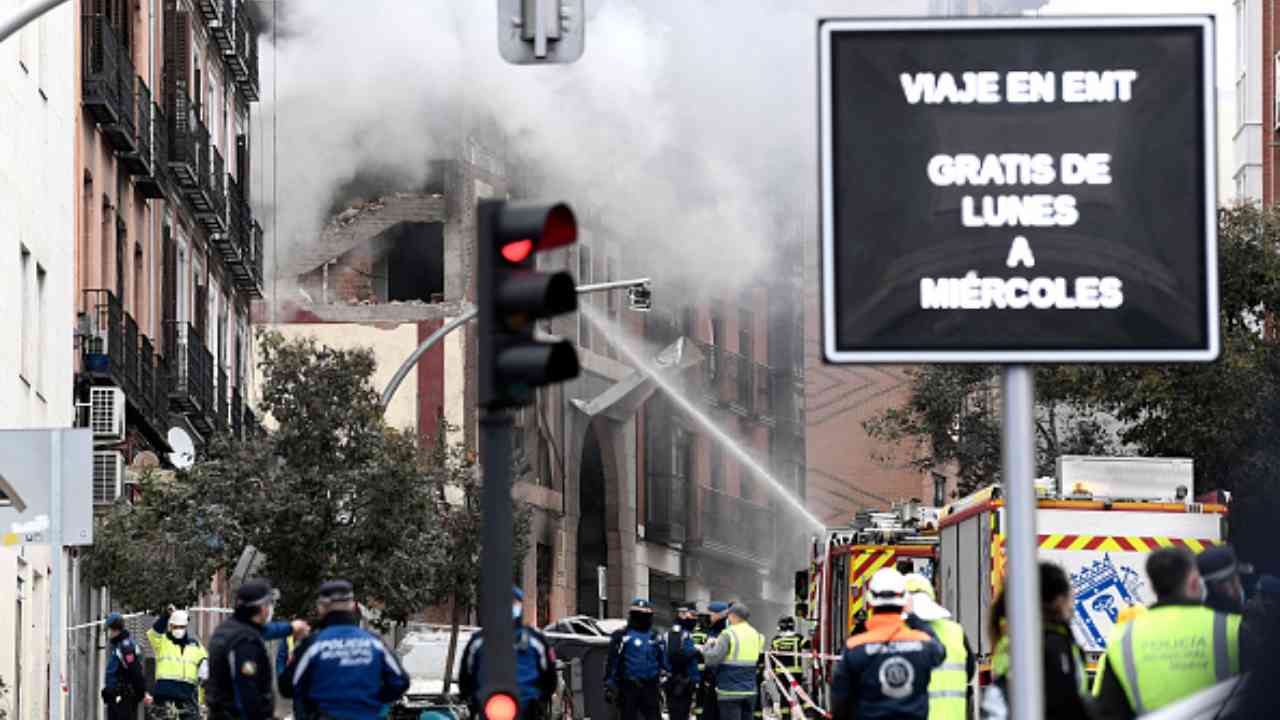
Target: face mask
687, 623
641, 621
516, 612
179, 633
271, 611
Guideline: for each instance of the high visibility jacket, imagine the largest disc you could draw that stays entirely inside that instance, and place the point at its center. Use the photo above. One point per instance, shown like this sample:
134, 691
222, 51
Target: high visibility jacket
1172, 652
177, 665
700, 638
949, 683
736, 678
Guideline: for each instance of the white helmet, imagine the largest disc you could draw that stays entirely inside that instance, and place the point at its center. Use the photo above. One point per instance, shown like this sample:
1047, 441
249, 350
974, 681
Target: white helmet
888, 587
179, 618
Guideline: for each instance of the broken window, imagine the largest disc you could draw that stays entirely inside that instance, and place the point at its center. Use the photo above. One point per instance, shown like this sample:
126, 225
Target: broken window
411, 264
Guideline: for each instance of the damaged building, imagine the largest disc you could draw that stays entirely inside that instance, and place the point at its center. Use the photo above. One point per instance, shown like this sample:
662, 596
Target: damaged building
630, 494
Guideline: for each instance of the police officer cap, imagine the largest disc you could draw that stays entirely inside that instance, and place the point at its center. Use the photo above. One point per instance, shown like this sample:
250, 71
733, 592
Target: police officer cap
641, 604
717, 606
337, 591
1219, 563
115, 621
255, 593
685, 607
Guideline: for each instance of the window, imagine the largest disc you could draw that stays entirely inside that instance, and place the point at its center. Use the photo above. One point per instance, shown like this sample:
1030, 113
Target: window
242, 347
138, 278
211, 339
543, 580
1242, 36
716, 458
37, 361
746, 323
1275, 79
26, 323
184, 280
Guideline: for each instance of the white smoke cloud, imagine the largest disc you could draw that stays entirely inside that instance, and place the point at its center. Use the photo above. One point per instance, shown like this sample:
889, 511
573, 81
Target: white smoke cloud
688, 127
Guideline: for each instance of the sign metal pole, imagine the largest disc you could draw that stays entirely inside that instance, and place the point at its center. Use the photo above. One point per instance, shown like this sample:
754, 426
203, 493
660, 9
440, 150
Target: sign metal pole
1022, 585
56, 633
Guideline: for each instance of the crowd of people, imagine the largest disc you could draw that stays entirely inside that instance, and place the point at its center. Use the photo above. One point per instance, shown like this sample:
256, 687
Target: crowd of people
332, 670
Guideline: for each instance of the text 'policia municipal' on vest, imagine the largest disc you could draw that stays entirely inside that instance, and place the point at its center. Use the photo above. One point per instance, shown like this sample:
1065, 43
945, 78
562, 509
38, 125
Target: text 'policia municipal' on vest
1173, 651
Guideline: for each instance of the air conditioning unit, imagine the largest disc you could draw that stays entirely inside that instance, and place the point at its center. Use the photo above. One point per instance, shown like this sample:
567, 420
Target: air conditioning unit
106, 414
108, 476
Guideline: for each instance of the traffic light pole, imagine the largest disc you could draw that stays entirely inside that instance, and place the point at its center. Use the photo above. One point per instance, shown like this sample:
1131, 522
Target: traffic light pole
469, 315
497, 557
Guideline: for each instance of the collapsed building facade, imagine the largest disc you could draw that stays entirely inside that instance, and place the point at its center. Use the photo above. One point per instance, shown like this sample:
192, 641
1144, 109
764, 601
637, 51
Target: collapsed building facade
630, 496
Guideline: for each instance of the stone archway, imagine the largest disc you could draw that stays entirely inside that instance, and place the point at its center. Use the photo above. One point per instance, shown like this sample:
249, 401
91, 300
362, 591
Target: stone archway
605, 518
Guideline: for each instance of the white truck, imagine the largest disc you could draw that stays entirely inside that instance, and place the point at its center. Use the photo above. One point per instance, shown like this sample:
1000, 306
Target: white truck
1098, 518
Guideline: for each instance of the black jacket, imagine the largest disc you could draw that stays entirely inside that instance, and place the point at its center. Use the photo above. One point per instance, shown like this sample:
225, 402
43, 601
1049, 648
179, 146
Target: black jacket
239, 672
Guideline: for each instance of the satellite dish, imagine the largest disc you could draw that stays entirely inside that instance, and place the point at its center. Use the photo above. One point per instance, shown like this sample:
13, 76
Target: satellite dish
184, 450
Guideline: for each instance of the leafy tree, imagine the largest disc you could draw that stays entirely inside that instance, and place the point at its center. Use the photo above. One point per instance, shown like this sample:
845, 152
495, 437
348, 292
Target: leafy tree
1220, 414
455, 489
331, 491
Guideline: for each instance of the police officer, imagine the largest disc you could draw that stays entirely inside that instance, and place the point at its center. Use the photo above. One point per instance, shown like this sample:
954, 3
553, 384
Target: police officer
124, 684
181, 664
239, 668
735, 654
949, 683
788, 648
700, 635
1172, 651
343, 671
535, 667
717, 619
636, 662
685, 660
885, 671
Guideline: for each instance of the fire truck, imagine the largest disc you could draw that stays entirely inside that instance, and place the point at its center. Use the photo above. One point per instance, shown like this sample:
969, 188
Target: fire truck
1098, 518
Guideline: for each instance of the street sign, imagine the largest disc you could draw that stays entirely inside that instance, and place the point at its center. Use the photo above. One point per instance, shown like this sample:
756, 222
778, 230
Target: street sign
1013, 190
27, 465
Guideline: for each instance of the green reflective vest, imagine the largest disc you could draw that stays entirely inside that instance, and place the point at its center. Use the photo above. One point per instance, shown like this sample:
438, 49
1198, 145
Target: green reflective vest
177, 662
736, 677
948, 685
1172, 652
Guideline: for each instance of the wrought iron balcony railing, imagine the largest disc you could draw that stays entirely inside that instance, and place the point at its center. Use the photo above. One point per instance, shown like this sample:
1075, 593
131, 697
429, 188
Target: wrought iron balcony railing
232, 243
732, 526
117, 352
188, 155
108, 82
138, 160
667, 509
214, 216
248, 272
190, 374
242, 57
104, 348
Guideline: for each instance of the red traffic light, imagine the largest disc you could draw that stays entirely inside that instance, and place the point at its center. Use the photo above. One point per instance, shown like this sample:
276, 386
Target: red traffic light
501, 706
545, 226
518, 251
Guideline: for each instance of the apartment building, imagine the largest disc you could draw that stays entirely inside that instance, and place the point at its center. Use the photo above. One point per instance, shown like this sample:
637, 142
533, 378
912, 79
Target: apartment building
38, 103
168, 255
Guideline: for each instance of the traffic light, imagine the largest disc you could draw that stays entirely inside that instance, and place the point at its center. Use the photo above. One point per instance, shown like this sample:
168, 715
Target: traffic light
501, 705
536, 32
511, 296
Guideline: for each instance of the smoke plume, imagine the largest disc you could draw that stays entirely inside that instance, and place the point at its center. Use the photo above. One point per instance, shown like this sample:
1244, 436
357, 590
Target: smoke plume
687, 129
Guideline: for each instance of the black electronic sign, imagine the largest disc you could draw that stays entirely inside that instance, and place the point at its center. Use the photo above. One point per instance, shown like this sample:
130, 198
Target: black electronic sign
1018, 190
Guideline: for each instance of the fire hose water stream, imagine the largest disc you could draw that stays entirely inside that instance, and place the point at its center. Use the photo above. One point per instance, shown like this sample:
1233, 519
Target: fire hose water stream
632, 350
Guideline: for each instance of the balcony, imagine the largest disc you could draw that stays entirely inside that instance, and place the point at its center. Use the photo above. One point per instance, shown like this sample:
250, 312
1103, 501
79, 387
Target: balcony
152, 181
190, 375
242, 55
188, 156
108, 83
232, 243
138, 160
116, 353
735, 529
222, 28
247, 271
210, 10
214, 216
667, 509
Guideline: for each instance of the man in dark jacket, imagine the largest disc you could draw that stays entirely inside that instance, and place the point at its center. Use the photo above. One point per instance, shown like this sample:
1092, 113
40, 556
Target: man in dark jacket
343, 671
683, 656
239, 668
124, 683
535, 666
637, 659
1221, 573
885, 672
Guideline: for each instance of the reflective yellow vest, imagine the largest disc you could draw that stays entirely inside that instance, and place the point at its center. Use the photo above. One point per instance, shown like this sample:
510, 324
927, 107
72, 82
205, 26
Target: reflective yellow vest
737, 675
948, 685
180, 663
1172, 652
